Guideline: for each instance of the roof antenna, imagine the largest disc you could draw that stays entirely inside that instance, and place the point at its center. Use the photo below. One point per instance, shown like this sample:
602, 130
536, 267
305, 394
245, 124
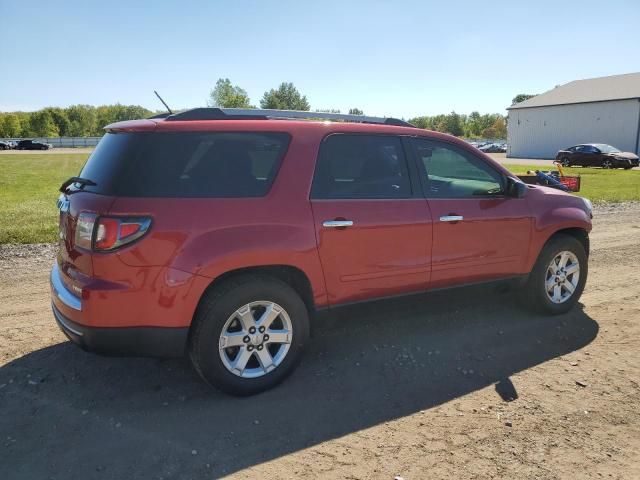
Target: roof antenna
163, 102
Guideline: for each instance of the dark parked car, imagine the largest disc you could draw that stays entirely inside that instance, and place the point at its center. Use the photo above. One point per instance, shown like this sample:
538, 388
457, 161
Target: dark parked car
219, 233
5, 145
33, 145
597, 155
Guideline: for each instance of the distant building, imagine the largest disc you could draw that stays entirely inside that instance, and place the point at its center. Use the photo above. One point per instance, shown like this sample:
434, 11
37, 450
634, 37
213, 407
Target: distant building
596, 110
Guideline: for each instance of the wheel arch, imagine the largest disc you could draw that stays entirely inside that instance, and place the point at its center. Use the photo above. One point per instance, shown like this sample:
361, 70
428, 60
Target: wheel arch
578, 233
292, 276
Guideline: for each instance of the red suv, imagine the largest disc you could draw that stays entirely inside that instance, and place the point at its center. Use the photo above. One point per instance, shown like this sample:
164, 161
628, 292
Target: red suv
220, 232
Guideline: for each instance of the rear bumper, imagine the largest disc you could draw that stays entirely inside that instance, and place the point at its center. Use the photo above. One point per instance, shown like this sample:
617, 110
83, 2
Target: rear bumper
128, 341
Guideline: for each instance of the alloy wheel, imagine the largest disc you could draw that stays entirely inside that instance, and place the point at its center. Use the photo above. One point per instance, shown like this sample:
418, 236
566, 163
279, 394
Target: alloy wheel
255, 339
563, 275
607, 164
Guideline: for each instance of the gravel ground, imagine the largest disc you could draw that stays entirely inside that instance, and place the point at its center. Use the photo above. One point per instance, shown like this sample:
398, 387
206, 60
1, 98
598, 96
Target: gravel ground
459, 384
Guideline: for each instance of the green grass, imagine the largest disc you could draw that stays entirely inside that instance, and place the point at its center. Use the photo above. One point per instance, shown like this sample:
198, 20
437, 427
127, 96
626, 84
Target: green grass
28, 193
597, 184
29, 189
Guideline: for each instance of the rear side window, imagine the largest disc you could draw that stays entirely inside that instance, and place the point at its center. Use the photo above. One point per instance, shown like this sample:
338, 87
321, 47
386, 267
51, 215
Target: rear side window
186, 164
361, 166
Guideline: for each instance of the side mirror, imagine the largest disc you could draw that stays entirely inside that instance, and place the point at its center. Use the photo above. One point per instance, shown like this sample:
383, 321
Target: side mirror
515, 188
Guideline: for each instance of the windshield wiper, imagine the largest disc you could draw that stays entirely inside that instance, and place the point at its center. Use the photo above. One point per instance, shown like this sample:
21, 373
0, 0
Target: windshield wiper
82, 181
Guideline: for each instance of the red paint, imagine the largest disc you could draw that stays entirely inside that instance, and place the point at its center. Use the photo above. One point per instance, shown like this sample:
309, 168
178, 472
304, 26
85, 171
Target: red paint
394, 247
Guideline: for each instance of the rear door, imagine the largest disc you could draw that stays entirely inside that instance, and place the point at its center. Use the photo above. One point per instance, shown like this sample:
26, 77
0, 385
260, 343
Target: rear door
373, 226
478, 232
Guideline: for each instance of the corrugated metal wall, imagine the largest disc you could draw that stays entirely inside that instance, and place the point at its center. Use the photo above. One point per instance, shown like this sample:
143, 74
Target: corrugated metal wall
541, 131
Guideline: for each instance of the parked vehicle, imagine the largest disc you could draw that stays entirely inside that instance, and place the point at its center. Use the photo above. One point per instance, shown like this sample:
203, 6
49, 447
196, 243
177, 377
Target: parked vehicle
221, 233
493, 148
597, 155
33, 145
5, 145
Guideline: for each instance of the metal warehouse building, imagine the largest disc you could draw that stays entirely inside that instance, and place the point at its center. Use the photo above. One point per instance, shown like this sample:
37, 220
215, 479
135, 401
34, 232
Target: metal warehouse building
596, 110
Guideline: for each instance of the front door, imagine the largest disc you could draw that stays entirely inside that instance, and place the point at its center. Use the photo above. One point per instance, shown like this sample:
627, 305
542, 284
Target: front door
479, 233
373, 227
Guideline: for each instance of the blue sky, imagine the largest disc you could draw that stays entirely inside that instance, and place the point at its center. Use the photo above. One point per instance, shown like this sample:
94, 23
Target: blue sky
397, 58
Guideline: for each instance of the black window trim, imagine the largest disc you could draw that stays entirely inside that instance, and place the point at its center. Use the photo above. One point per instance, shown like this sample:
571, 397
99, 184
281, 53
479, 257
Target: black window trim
423, 174
414, 182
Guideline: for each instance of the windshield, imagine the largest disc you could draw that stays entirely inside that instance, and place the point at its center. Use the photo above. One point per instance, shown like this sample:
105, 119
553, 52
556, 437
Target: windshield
606, 148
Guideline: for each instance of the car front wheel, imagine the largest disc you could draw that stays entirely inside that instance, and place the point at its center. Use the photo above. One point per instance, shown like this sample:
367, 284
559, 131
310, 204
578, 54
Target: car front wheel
249, 334
558, 278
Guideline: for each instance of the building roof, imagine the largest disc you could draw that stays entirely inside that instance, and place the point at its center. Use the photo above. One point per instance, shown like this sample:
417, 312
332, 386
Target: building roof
601, 89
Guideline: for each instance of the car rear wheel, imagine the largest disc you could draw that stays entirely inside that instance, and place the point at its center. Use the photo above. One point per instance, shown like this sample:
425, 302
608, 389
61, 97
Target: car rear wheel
248, 334
607, 164
565, 162
558, 278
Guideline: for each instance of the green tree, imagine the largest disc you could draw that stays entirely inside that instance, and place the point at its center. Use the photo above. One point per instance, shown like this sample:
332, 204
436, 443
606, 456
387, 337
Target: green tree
521, 97
82, 120
451, 124
497, 130
10, 125
41, 124
355, 111
285, 97
60, 119
226, 95
107, 114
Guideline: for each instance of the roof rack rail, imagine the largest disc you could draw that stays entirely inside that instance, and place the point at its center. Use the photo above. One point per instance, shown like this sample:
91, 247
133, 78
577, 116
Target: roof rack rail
214, 113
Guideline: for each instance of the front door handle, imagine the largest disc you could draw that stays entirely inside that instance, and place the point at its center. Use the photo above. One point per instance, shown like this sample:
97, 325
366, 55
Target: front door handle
451, 218
337, 223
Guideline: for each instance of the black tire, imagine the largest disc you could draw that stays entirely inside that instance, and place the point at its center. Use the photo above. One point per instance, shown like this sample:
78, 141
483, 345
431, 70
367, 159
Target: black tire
218, 305
534, 296
565, 162
608, 164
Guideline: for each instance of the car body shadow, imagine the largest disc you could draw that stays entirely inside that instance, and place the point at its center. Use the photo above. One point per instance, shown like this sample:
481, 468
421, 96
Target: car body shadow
69, 414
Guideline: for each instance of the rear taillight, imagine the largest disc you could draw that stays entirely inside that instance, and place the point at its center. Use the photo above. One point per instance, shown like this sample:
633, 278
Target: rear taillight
108, 233
84, 230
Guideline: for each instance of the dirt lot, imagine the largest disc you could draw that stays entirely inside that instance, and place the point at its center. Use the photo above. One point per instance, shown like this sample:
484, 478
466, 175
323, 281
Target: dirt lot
413, 388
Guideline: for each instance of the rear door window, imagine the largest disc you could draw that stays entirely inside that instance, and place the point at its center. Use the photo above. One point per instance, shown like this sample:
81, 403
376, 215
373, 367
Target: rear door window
186, 164
361, 166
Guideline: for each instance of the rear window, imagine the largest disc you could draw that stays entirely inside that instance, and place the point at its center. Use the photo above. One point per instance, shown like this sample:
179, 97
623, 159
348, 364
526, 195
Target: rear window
185, 164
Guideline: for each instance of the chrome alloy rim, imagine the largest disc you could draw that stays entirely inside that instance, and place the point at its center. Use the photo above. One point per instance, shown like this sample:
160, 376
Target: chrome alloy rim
563, 274
255, 339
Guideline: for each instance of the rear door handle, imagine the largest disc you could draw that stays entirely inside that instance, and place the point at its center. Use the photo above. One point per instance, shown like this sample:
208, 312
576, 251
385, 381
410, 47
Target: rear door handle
451, 218
337, 223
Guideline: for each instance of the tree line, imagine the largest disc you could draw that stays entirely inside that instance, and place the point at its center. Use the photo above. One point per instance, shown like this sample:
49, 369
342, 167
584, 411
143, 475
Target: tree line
73, 121
87, 120
475, 125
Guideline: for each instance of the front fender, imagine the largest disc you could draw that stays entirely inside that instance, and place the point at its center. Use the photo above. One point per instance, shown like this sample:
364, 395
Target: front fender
554, 221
